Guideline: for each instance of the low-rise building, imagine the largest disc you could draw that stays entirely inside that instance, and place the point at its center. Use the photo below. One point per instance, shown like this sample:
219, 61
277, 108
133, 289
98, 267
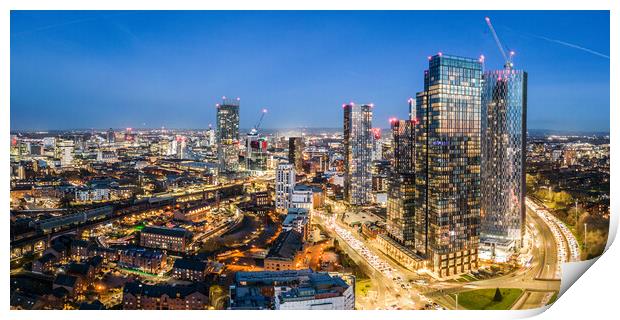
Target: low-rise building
44, 264
147, 260
297, 219
173, 239
403, 255
302, 197
290, 290
320, 292
286, 252
72, 284
139, 296
189, 269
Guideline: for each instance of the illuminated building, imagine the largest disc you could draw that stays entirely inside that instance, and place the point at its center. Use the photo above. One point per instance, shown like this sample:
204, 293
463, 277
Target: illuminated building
503, 134
285, 183
141, 296
227, 134
358, 143
291, 290
147, 260
66, 150
302, 197
174, 239
286, 252
110, 136
189, 269
295, 152
447, 217
401, 186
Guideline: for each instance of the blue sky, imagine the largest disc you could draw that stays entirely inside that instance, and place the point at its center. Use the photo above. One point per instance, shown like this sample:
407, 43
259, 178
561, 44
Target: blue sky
101, 69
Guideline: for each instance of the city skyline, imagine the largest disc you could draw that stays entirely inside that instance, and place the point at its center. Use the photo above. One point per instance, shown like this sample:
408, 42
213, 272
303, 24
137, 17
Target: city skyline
147, 88
456, 205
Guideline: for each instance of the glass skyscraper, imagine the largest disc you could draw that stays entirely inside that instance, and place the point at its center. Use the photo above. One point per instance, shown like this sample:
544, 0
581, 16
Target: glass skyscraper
295, 152
504, 101
358, 142
227, 134
447, 218
401, 185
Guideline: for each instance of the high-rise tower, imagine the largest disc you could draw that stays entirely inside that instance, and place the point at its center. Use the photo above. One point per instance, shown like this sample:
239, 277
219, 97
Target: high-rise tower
358, 142
448, 165
295, 152
227, 134
504, 102
401, 185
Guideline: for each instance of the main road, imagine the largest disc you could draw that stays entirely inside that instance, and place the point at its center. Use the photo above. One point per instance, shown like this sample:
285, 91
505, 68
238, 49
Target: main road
539, 278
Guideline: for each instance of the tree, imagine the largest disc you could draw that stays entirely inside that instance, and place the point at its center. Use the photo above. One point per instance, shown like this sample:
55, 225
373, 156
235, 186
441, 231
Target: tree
498, 295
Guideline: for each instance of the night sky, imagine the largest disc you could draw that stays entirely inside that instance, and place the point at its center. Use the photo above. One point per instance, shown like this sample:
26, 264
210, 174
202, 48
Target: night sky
102, 69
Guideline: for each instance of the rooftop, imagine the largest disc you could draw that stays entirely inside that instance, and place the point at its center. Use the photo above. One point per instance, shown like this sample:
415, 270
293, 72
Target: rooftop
158, 290
190, 264
286, 245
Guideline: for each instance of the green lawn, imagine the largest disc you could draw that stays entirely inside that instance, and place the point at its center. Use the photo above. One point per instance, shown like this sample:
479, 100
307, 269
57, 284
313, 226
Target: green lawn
468, 278
553, 298
482, 299
362, 287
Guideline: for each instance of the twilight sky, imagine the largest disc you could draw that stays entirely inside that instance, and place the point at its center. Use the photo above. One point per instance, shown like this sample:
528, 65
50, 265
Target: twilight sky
100, 69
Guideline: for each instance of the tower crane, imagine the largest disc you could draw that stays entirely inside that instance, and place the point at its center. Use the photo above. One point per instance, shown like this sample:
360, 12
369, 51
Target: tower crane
254, 130
507, 58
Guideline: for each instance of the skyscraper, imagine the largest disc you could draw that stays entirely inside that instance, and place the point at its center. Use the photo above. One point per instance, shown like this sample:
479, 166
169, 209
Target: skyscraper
295, 152
285, 183
411, 103
227, 134
358, 142
401, 186
504, 102
110, 136
66, 150
448, 165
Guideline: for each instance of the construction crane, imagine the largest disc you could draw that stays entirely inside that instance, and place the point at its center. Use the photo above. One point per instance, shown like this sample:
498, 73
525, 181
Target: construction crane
507, 58
254, 130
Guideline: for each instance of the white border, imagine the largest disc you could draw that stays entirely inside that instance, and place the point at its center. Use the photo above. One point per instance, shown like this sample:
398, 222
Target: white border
593, 296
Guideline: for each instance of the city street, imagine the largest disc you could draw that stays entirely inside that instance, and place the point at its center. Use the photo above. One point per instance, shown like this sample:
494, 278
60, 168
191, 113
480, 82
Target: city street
539, 279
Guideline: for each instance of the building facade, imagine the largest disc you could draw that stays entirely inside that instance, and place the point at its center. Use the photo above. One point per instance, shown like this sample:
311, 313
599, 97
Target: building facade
401, 186
285, 183
173, 239
302, 197
140, 296
504, 103
448, 165
227, 134
358, 146
291, 290
295, 152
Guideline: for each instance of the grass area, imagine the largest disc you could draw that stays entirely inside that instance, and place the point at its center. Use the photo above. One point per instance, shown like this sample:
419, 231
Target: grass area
468, 278
553, 298
140, 272
482, 299
361, 287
